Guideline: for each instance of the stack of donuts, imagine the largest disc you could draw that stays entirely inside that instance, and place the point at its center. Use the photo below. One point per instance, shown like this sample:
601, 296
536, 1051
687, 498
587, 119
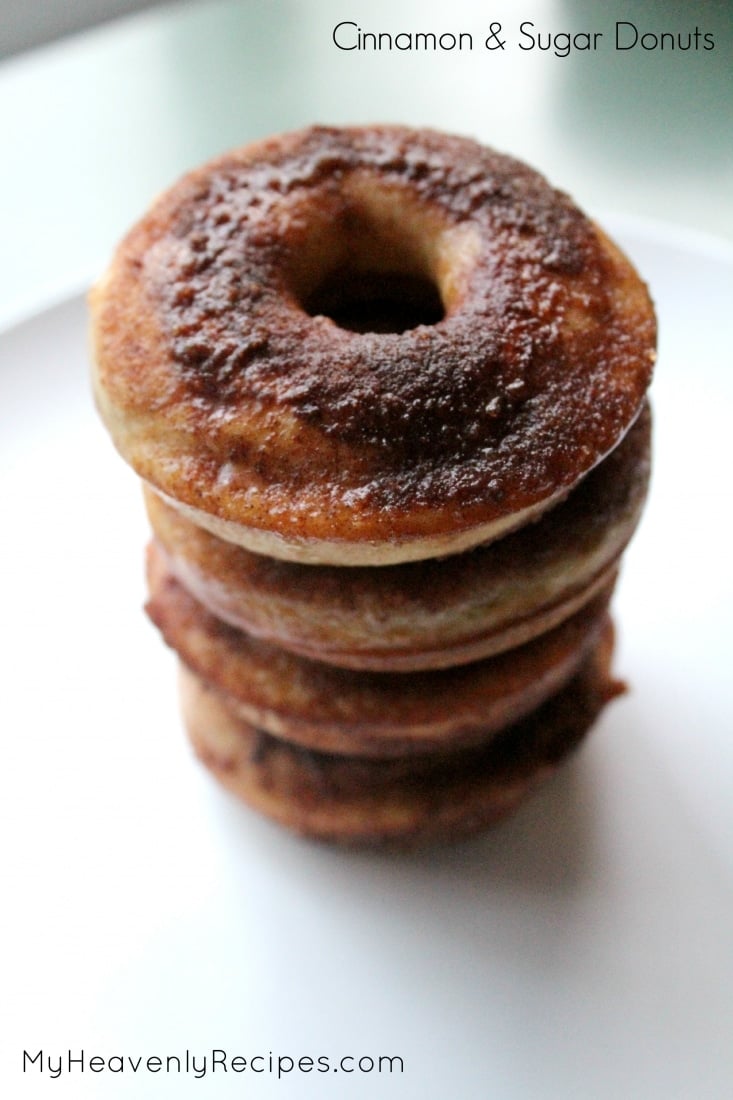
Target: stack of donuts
386, 390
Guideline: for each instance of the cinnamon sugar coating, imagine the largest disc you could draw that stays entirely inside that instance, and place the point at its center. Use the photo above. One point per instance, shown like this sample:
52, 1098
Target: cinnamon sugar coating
280, 429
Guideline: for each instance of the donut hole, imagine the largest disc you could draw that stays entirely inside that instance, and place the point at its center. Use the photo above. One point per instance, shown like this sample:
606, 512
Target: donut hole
376, 301
371, 258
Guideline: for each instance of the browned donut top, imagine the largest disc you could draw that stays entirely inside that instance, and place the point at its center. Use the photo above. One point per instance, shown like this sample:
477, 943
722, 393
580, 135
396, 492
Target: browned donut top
227, 387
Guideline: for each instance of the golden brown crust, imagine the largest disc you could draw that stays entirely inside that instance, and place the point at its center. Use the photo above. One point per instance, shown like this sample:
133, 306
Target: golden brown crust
294, 436
423, 614
365, 713
357, 801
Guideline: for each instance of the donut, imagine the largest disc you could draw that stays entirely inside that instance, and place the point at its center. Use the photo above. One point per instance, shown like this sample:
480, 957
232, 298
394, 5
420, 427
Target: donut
386, 393
430, 614
358, 713
367, 345
400, 803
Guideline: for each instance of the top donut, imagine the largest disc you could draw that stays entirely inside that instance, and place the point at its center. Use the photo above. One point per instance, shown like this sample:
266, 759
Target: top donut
367, 345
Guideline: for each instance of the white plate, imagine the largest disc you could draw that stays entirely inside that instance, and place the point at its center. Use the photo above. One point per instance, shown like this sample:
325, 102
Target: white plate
583, 949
